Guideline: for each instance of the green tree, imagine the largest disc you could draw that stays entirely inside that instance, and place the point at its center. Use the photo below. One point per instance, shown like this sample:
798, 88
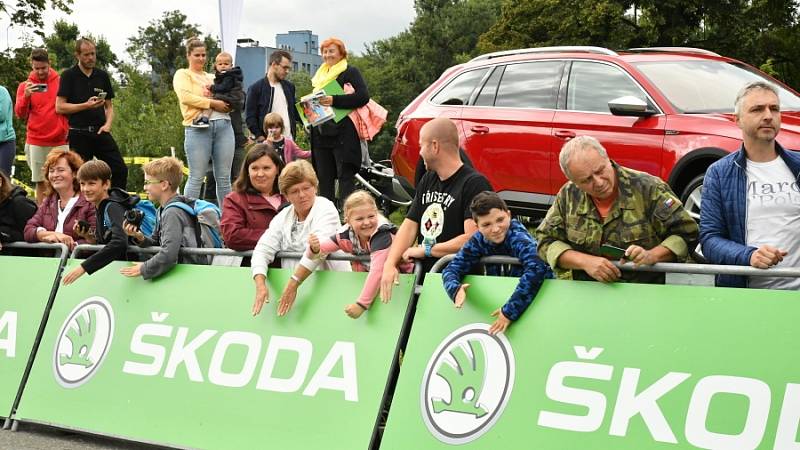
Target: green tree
145, 124
541, 23
397, 69
161, 45
28, 13
61, 46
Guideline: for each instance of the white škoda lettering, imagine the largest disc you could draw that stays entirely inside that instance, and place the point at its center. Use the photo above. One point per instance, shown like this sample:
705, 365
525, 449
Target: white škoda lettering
151, 341
632, 401
8, 333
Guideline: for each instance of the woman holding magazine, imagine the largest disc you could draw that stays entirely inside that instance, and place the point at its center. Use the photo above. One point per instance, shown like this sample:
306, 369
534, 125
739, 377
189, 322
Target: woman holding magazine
336, 147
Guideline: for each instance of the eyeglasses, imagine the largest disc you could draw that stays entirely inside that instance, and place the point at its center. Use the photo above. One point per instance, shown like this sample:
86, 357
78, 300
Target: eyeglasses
152, 181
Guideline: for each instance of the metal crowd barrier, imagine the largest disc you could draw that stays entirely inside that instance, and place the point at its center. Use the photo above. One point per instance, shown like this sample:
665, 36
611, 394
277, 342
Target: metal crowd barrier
700, 269
84, 248
63, 254
63, 250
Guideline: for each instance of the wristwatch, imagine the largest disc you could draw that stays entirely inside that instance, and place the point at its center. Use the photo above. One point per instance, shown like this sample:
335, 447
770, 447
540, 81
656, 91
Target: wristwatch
428, 248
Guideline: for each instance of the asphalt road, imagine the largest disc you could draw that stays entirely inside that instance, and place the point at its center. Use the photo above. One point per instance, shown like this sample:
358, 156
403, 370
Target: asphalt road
39, 437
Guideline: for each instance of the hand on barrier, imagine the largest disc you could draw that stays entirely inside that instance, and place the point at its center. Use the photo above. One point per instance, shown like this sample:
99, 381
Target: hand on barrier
499, 325
601, 269
287, 299
73, 275
390, 278
59, 238
461, 295
766, 256
639, 256
262, 294
133, 271
354, 310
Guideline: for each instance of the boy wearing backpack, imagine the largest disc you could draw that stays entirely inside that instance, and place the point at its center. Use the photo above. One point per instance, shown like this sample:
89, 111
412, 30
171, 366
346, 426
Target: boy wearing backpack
176, 226
95, 180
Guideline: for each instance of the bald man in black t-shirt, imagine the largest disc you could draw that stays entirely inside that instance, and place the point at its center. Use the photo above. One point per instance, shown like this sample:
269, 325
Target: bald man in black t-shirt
439, 221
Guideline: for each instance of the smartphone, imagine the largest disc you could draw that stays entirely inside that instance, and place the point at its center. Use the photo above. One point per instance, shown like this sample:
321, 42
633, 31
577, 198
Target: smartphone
39, 87
83, 226
612, 252
101, 95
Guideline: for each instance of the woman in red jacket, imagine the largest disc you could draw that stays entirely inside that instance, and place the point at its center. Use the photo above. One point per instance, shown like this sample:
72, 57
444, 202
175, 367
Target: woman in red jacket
255, 199
64, 205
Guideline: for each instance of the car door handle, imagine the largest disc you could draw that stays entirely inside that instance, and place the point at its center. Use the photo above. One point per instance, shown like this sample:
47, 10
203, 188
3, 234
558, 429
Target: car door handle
566, 134
479, 129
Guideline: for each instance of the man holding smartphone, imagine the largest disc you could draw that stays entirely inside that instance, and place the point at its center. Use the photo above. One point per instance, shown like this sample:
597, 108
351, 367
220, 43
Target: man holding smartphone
608, 212
46, 130
85, 96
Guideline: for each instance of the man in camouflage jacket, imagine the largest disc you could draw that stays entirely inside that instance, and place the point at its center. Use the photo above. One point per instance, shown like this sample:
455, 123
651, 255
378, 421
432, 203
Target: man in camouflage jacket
605, 203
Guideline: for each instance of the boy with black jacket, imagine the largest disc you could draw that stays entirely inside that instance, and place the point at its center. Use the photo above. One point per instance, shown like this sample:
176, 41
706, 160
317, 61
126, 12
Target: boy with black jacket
95, 179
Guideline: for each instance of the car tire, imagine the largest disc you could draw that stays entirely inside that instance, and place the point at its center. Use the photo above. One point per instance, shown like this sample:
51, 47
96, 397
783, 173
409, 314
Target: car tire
691, 197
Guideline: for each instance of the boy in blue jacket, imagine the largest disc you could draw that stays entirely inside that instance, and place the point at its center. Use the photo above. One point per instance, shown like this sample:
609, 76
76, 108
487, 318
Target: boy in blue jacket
498, 234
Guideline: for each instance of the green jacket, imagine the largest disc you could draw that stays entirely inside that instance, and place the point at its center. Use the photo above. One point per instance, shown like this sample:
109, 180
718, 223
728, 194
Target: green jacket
6, 116
646, 213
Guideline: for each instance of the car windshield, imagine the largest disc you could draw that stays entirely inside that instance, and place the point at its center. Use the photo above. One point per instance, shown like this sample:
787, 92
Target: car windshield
697, 87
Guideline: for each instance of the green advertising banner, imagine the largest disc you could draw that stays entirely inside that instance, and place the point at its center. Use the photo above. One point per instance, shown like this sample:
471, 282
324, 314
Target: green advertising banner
596, 366
26, 285
181, 360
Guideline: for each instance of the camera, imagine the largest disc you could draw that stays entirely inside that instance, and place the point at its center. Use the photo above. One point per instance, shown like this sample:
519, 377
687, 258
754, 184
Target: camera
134, 217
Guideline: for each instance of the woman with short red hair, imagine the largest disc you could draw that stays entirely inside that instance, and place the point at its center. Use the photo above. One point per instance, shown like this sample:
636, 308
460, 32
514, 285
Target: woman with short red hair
336, 147
64, 205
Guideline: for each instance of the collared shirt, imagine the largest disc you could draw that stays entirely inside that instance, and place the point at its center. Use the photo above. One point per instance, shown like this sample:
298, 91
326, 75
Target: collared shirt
76, 88
646, 213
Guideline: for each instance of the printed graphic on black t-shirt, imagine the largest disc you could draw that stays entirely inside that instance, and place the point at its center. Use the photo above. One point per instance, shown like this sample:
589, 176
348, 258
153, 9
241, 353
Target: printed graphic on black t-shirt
440, 207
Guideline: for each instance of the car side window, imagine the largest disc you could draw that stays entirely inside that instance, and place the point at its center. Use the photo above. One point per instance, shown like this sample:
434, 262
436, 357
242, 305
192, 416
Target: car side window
459, 90
593, 85
530, 85
489, 90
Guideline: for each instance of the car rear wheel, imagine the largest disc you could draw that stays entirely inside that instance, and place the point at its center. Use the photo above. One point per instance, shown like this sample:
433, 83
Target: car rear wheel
691, 197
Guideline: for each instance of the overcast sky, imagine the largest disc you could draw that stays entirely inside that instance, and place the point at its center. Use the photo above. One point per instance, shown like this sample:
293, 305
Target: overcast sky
356, 22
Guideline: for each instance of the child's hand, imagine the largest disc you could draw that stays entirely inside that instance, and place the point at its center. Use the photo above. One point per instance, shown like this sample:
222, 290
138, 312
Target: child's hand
133, 271
73, 275
499, 325
313, 243
132, 231
461, 295
354, 311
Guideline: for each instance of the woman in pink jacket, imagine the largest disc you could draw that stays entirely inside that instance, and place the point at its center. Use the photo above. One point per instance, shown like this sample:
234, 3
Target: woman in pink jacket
248, 210
63, 206
366, 233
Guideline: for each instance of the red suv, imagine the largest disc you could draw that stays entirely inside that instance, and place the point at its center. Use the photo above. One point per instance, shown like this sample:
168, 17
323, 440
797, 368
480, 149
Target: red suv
666, 111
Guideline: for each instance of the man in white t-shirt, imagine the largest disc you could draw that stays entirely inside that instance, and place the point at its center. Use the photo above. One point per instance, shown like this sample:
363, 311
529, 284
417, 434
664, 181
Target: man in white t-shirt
751, 198
273, 93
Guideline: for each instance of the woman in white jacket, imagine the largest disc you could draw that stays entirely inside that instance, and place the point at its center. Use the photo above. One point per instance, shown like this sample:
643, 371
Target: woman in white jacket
289, 230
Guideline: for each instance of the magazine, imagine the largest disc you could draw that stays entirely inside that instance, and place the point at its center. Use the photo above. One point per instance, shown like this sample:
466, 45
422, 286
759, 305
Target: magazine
312, 111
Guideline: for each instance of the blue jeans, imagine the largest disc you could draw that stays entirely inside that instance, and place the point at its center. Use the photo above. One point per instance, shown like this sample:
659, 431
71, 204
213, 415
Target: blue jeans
214, 144
8, 150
